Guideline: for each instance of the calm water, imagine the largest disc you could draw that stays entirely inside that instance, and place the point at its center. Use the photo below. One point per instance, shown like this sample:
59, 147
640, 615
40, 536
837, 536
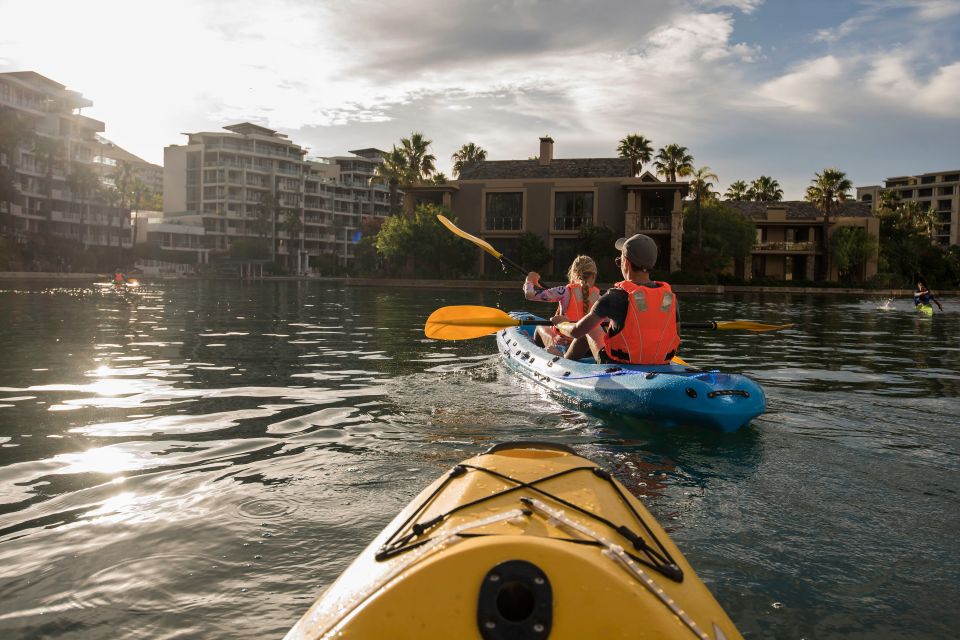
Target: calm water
200, 459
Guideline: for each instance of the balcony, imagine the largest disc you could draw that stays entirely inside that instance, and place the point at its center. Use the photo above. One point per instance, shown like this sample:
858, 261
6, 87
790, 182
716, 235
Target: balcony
785, 247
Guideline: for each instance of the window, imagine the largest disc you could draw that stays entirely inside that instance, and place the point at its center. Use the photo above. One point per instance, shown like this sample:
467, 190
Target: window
943, 205
504, 211
572, 210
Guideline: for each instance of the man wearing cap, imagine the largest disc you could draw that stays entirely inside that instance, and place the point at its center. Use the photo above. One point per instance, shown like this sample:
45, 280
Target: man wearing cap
643, 323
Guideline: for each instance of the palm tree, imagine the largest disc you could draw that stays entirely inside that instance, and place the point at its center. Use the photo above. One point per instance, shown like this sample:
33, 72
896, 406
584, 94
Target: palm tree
420, 164
438, 178
293, 225
737, 191
83, 184
14, 132
51, 153
672, 161
828, 187
700, 188
391, 170
468, 154
112, 198
765, 189
637, 149
137, 191
267, 211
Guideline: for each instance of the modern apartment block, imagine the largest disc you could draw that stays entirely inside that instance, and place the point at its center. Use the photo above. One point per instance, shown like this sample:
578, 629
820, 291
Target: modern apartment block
59, 142
939, 190
226, 178
498, 200
789, 243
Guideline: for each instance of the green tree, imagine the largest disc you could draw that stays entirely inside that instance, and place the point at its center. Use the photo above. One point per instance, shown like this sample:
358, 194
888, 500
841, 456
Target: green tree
852, 247
467, 154
906, 230
392, 171
420, 162
727, 236
828, 188
765, 189
637, 149
672, 161
420, 246
534, 254
737, 191
438, 178
701, 190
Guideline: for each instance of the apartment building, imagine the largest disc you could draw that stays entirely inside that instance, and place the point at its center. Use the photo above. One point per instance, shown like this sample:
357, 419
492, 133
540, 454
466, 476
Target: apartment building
228, 177
554, 197
789, 243
939, 191
59, 142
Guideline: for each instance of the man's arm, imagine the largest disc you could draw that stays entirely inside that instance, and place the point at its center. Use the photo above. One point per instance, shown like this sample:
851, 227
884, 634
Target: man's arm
586, 324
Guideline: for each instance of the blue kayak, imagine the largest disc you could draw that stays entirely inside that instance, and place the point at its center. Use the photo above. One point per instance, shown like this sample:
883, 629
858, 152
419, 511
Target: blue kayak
668, 394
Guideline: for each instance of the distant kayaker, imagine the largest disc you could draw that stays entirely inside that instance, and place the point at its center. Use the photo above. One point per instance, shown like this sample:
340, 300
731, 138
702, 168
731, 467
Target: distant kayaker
643, 315
923, 296
119, 277
573, 300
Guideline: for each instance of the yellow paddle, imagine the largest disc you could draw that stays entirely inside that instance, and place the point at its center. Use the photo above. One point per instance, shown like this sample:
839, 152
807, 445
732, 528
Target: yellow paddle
464, 322
483, 244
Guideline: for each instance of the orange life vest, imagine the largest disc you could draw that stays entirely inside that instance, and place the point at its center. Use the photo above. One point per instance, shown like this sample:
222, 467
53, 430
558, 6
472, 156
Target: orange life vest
575, 308
649, 334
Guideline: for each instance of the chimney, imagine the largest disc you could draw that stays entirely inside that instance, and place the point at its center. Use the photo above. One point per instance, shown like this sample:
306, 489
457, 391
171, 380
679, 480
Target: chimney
546, 150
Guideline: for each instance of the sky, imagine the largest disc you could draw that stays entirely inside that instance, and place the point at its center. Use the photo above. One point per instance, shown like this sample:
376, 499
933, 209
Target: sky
783, 88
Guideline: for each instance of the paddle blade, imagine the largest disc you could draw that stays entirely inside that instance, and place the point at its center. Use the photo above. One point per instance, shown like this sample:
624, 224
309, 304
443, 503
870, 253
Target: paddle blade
749, 325
483, 244
464, 322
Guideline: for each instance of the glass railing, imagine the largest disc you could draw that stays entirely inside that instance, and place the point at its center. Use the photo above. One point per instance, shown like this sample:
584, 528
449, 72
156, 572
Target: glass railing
785, 246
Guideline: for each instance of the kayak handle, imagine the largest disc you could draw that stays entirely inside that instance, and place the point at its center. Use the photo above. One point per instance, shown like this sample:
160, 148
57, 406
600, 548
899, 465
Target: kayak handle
530, 444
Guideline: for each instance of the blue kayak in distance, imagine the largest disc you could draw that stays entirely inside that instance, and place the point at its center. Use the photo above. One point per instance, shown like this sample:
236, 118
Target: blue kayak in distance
668, 394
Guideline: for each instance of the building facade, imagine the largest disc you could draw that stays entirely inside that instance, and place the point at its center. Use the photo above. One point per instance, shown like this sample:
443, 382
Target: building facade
60, 143
554, 198
229, 177
939, 191
789, 243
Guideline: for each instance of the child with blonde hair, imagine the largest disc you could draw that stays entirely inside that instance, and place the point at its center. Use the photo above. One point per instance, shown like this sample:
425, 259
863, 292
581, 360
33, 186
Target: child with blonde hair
574, 300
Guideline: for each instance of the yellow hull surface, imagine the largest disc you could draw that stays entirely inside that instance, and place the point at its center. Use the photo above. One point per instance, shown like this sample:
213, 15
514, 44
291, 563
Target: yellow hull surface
528, 540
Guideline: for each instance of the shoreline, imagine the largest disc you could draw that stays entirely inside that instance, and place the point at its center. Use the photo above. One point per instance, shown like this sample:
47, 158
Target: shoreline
501, 285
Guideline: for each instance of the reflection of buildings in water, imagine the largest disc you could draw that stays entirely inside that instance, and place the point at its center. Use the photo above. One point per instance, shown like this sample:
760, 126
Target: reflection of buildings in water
644, 478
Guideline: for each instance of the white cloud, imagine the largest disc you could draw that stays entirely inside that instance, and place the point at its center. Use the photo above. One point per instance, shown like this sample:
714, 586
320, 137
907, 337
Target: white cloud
941, 95
810, 87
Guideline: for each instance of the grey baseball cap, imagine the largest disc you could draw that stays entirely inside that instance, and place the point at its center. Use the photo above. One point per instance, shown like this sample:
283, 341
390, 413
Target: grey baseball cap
641, 250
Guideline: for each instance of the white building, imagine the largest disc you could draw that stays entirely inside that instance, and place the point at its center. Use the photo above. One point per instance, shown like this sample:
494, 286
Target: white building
225, 177
60, 142
939, 191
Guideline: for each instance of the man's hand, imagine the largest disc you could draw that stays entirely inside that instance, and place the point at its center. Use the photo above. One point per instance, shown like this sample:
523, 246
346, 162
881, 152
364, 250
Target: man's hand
533, 278
557, 319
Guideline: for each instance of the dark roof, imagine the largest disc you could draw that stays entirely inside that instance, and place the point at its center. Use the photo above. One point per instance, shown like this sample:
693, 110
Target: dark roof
248, 128
557, 168
800, 209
